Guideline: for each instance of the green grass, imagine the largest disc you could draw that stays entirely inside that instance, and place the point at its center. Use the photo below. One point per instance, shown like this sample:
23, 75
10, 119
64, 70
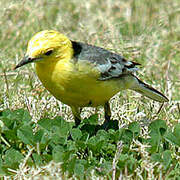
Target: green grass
144, 31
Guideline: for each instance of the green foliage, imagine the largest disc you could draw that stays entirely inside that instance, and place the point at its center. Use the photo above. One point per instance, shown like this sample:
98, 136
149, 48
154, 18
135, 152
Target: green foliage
80, 151
174, 136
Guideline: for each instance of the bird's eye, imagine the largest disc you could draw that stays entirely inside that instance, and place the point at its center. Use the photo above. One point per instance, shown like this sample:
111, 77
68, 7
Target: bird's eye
48, 52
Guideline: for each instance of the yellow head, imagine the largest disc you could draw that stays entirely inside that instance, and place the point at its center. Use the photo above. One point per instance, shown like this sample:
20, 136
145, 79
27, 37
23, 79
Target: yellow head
47, 45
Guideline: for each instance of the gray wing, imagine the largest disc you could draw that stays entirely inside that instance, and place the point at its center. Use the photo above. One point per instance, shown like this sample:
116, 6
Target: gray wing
111, 65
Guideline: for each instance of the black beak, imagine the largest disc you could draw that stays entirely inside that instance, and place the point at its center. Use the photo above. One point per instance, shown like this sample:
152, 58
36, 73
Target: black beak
25, 60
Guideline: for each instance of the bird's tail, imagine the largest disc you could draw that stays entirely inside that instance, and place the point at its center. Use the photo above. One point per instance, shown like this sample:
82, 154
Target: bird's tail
148, 91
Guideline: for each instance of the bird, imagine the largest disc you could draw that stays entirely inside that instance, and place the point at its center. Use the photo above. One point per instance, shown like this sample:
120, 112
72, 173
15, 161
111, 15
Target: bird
83, 75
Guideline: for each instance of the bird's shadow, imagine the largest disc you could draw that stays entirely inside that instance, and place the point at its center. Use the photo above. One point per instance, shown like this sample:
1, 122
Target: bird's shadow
90, 126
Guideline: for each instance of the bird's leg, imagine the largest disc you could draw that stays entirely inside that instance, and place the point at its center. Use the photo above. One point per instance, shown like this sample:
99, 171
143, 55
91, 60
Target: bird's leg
107, 112
76, 112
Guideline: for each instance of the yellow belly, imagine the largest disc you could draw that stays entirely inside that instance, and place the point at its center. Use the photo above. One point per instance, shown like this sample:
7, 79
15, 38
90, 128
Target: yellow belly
76, 85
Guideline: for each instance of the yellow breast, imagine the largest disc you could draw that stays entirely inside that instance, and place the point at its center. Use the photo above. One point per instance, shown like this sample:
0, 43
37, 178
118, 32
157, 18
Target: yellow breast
76, 84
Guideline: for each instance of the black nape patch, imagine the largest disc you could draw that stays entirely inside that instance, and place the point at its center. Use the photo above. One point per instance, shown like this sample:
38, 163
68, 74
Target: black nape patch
77, 48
